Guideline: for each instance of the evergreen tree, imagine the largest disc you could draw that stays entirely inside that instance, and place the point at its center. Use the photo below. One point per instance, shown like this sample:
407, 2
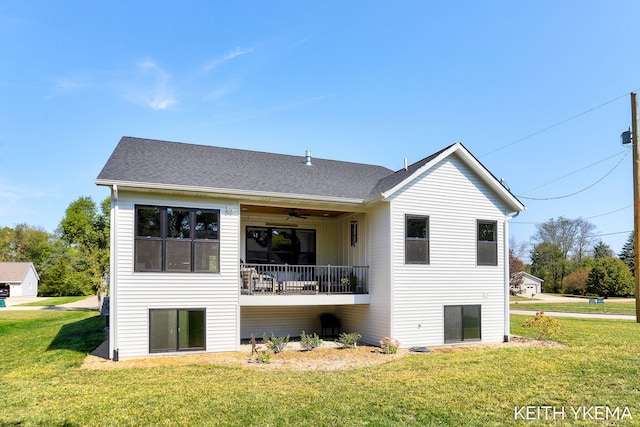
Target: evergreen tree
610, 277
628, 253
602, 250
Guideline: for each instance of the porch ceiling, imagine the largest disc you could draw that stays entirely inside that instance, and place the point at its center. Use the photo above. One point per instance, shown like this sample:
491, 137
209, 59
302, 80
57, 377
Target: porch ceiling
277, 210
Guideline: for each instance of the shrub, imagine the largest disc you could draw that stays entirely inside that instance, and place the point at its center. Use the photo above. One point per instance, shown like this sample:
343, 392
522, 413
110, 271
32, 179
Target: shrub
576, 282
309, 342
546, 326
610, 277
349, 339
275, 344
264, 356
389, 345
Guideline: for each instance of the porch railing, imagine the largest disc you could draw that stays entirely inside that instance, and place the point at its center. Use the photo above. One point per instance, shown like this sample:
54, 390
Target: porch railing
303, 279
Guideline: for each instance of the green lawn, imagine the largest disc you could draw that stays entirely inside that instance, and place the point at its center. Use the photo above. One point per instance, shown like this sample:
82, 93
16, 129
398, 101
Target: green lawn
42, 385
581, 307
54, 301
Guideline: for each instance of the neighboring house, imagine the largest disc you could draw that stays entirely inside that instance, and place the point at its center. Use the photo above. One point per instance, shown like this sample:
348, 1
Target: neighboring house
21, 278
531, 285
210, 245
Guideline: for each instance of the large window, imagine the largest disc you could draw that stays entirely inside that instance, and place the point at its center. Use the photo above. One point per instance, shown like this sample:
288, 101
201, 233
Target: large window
487, 243
176, 330
416, 244
281, 246
177, 239
461, 323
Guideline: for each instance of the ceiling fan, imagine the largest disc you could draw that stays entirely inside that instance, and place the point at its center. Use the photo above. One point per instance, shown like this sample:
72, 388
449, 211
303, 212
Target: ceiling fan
294, 214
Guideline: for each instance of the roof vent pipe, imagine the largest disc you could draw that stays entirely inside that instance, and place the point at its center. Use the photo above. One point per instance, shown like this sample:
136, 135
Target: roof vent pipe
406, 166
307, 156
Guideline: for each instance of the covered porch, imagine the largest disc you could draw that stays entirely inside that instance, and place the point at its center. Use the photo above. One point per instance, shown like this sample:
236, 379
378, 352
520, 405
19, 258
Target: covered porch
303, 279
302, 251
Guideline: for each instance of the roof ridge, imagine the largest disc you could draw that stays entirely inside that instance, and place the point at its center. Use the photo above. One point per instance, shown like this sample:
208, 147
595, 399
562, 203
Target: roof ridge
244, 150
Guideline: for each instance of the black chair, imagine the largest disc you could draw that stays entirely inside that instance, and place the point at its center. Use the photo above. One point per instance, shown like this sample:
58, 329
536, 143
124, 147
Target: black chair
329, 321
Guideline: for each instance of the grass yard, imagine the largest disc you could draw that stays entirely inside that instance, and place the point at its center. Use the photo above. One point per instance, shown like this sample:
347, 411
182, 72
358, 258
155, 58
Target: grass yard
580, 307
521, 298
42, 385
54, 301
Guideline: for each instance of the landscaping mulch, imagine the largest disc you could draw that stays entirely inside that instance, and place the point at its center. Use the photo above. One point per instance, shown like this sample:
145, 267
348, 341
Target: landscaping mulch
330, 357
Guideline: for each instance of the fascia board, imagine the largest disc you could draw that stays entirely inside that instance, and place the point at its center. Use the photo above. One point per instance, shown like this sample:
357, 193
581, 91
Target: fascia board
245, 194
475, 165
419, 171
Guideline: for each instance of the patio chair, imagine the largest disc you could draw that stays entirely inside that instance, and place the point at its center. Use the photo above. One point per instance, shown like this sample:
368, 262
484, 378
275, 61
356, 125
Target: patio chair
252, 281
329, 321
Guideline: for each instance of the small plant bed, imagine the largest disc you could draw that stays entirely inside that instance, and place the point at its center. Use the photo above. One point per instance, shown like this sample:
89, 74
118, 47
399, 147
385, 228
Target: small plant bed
331, 356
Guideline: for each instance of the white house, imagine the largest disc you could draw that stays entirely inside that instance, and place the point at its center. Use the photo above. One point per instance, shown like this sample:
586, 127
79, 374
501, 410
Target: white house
531, 285
210, 245
21, 278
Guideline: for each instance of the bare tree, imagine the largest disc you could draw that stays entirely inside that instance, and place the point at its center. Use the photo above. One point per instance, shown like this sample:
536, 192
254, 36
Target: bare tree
573, 236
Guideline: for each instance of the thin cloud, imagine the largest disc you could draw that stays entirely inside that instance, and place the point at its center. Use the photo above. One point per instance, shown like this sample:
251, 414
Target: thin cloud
11, 193
229, 56
218, 94
69, 84
250, 115
153, 87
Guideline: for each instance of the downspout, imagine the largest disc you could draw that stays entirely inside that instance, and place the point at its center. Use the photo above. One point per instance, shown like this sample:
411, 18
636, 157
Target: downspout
505, 236
113, 273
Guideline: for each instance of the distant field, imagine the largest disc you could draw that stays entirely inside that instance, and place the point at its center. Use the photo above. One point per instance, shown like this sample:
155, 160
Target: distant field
581, 307
53, 301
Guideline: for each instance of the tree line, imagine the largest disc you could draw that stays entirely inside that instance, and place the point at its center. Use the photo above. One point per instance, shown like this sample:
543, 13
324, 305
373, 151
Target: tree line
73, 260
568, 258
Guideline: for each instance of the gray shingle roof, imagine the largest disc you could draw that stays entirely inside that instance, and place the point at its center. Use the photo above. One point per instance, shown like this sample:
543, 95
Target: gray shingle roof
147, 162
137, 160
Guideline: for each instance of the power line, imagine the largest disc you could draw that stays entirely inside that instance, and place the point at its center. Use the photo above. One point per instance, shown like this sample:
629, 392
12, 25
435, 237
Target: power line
579, 191
610, 234
610, 212
576, 171
589, 217
556, 124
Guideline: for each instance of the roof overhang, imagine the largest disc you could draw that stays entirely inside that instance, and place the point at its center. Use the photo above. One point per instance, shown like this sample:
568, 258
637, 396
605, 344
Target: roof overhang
246, 195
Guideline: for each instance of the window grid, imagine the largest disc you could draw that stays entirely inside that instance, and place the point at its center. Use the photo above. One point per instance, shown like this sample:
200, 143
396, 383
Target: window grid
416, 245
487, 243
170, 239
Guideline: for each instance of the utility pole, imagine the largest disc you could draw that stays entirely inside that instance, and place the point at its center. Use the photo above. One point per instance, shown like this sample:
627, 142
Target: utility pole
636, 199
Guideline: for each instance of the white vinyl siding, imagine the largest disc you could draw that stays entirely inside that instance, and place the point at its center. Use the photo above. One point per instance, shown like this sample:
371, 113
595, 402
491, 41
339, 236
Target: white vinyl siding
374, 322
134, 293
454, 199
281, 320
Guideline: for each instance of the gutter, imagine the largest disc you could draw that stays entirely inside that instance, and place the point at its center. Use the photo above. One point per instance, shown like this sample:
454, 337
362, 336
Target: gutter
247, 194
505, 236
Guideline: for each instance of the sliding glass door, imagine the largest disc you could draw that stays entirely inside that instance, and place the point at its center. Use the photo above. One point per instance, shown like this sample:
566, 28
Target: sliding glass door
461, 323
176, 330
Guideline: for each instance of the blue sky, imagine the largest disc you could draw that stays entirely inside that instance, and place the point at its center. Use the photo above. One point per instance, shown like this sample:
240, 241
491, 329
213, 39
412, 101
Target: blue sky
538, 91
